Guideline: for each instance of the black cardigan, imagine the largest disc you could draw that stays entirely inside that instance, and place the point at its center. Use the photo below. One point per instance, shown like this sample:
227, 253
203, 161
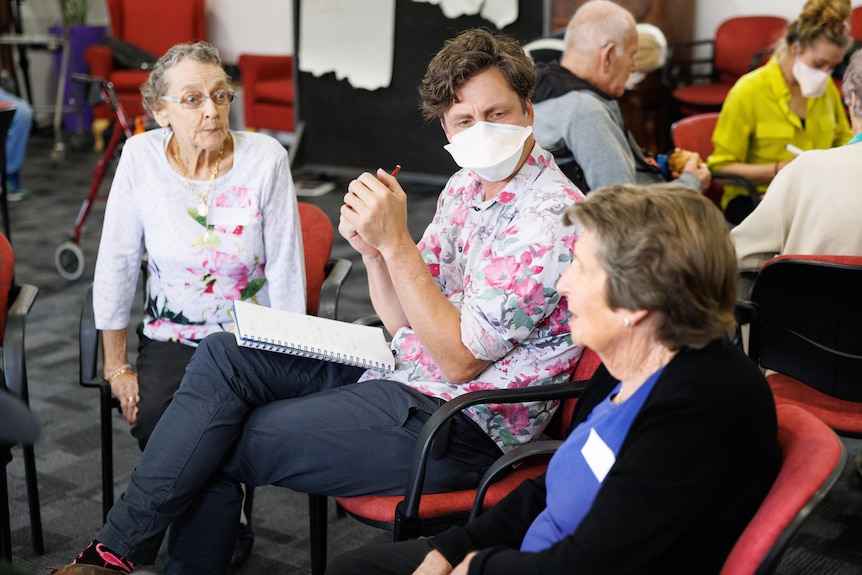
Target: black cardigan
698, 460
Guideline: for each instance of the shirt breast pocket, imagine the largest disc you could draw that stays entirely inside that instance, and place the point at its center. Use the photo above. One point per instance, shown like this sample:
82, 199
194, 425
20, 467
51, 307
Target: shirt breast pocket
777, 131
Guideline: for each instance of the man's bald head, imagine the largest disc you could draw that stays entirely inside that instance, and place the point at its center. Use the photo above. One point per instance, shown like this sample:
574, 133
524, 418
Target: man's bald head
597, 27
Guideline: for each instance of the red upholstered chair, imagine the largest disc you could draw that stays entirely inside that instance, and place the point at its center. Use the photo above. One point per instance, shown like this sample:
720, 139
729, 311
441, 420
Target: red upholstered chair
15, 304
416, 514
155, 26
806, 329
812, 458
694, 133
268, 99
736, 49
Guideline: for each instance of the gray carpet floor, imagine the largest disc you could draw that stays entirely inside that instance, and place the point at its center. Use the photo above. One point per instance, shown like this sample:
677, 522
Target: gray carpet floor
67, 454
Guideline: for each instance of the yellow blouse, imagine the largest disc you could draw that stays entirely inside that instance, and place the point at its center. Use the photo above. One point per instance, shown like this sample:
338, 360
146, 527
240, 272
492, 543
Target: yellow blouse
756, 123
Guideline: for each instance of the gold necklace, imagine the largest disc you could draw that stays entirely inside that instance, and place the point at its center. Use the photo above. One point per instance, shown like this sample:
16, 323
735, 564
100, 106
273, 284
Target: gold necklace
202, 207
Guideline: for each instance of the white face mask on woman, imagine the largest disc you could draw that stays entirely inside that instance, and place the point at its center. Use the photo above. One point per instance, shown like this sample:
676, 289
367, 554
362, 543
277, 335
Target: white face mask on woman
489, 150
812, 82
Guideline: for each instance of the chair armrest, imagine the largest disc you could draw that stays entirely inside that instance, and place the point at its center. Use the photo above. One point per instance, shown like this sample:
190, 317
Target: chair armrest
100, 61
409, 507
758, 56
748, 313
505, 463
370, 319
337, 271
14, 366
88, 342
670, 71
744, 182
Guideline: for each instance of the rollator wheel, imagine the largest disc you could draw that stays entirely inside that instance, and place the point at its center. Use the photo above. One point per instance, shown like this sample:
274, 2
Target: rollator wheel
69, 260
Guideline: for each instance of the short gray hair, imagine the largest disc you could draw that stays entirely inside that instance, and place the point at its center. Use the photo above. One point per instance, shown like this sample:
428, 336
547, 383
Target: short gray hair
665, 248
597, 23
156, 85
853, 83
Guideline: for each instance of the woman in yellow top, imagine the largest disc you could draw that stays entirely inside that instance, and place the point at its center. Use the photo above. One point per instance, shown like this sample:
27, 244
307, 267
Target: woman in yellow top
790, 100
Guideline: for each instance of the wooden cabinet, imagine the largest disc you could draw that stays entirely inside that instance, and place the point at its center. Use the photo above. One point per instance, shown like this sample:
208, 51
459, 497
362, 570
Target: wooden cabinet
644, 107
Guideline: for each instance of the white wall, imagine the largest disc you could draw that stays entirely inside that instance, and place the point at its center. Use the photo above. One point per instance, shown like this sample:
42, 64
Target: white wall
251, 26
710, 13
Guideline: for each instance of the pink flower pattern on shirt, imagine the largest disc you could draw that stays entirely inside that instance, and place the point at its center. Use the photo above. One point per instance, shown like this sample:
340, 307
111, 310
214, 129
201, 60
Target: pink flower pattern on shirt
498, 261
226, 270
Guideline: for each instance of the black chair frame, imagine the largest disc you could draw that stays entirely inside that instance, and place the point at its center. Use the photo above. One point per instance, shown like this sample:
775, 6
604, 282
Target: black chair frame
15, 381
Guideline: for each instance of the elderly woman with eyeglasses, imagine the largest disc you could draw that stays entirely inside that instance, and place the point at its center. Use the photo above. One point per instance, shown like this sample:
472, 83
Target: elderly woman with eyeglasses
214, 210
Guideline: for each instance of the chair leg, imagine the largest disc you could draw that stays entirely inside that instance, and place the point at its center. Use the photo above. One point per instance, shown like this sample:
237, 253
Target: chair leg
5, 520
33, 499
107, 454
317, 509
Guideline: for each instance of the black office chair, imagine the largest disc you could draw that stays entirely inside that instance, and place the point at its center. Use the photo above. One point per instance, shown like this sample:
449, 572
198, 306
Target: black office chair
15, 305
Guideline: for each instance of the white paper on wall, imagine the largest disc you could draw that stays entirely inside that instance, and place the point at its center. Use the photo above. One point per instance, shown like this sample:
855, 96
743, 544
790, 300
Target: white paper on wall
355, 40
500, 12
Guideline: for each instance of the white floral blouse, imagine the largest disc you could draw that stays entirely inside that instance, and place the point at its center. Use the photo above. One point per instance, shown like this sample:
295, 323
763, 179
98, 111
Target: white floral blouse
251, 249
498, 261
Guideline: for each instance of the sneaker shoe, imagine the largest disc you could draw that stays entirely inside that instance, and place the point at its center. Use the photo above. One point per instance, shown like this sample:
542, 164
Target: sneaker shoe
81, 569
17, 195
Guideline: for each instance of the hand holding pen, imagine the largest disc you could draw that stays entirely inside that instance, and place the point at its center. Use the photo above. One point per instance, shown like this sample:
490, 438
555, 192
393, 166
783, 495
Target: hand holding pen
375, 210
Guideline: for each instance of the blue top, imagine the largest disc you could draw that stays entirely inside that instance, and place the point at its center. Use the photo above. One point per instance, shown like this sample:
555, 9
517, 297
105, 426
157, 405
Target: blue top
577, 470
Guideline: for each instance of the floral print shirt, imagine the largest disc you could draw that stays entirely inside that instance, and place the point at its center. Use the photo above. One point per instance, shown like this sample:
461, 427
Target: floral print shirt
250, 248
498, 262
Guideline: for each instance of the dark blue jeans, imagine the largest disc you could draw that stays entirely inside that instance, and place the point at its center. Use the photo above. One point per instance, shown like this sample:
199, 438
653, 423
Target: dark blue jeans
257, 417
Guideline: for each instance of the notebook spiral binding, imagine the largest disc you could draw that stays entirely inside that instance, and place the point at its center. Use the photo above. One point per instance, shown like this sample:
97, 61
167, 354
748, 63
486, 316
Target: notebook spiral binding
313, 353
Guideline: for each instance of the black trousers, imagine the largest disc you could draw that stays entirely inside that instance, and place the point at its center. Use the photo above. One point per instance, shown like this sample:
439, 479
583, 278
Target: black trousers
161, 366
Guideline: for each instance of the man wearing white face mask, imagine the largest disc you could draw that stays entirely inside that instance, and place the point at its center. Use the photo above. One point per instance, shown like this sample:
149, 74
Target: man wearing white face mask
789, 100
473, 306
577, 113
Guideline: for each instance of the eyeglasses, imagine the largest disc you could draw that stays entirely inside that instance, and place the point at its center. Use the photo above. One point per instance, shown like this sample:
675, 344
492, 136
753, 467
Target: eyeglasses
194, 100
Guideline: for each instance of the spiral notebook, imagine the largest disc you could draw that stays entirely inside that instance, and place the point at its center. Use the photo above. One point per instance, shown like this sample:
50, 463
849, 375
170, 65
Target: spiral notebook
262, 327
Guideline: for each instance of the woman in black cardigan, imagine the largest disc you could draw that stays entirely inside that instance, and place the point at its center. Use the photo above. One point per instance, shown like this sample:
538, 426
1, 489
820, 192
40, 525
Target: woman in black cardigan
674, 440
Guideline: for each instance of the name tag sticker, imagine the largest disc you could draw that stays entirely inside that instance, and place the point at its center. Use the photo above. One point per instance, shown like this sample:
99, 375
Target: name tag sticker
218, 216
598, 455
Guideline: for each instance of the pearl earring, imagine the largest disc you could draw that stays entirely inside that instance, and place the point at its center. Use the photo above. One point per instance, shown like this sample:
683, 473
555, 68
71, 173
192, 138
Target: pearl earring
627, 322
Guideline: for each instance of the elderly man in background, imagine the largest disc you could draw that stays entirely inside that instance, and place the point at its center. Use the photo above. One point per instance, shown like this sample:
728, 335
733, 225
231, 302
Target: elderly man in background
813, 204
576, 103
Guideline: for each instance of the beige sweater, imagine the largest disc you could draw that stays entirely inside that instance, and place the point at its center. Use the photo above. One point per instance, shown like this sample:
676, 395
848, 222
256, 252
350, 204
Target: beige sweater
813, 206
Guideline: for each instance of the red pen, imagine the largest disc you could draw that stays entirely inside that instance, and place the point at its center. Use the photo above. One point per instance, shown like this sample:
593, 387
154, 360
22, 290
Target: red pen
396, 170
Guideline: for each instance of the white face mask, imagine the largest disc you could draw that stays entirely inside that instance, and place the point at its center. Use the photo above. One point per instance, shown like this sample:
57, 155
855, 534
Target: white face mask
489, 150
812, 82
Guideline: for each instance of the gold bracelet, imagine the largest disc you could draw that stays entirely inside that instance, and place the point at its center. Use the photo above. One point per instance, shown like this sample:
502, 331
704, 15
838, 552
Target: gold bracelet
119, 371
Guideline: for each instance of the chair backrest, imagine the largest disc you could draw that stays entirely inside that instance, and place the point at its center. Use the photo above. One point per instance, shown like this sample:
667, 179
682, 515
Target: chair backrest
7, 271
694, 133
587, 365
317, 239
856, 23
545, 50
812, 458
738, 39
156, 25
809, 318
